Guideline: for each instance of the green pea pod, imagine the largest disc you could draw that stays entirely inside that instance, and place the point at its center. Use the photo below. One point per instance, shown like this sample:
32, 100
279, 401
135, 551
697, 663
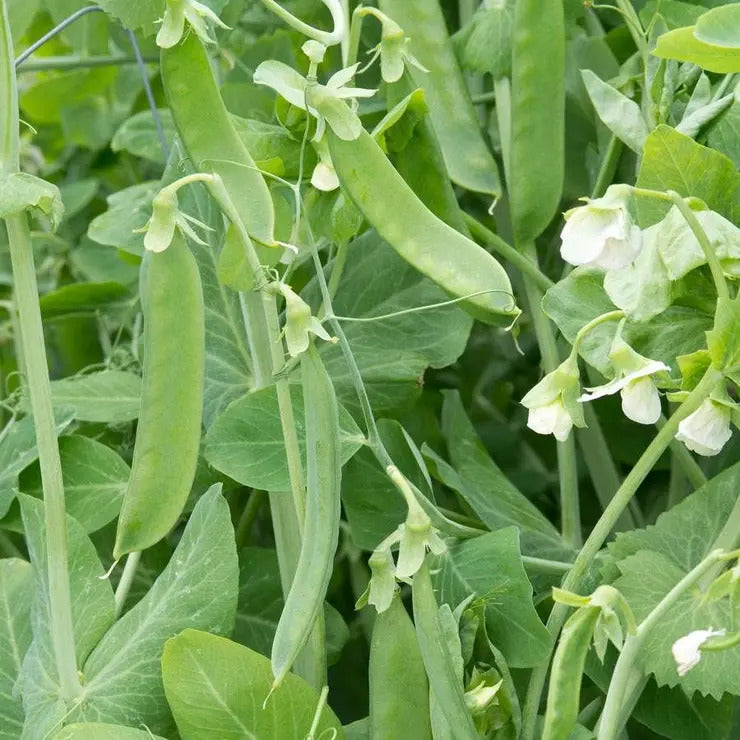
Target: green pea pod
454, 262
469, 161
438, 662
537, 149
399, 690
210, 138
168, 432
565, 677
420, 160
321, 524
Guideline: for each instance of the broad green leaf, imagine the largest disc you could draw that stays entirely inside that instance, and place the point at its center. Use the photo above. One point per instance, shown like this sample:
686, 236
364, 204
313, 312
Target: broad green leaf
16, 594
490, 567
142, 14
138, 135
76, 195
109, 396
691, 124
128, 209
674, 12
21, 191
720, 26
84, 298
673, 161
617, 112
484, 43
373, 505
261, 602
95, 480
651, 562
496, 501
92, 615
216, 688
724, 135
103, 731
574, 301
392, 353
683, 45
18, 450
246, 441
197, 589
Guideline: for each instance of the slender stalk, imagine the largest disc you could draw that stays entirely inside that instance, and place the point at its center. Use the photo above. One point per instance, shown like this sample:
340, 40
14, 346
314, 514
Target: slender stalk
685, 460
127, 578
37, 381
248, 517
573, 581
718, 276
541, 565
608, 167
625, 671
502, 90
525, 265
49, 64
567, 470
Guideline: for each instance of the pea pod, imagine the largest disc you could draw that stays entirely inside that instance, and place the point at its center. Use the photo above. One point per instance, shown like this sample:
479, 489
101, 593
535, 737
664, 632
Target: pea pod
469, 161
321, 524
537, 149
399, 690
565, 676
210, 138
453, 261
438, 662
168, 432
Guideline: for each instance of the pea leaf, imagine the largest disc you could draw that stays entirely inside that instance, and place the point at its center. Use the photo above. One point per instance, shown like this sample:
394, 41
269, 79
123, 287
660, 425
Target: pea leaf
651, 562
103, 731
198, 588
673, 161
246, 441
490, 567
18, 450
95, 479
217, 687
84, 298
392, 353
723, 341
682, 44
484, 43
719, 27
724, 134
92, 614
16, 593
109, 396
20, 191
617, 112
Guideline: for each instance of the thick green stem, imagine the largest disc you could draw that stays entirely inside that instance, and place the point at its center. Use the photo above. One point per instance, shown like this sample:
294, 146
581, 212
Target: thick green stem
594, 542
37, 381
625, 671
507, 252
47, 64
567, 470
127, 578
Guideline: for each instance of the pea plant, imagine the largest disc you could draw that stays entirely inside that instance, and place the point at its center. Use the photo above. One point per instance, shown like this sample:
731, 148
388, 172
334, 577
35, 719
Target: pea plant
369, 370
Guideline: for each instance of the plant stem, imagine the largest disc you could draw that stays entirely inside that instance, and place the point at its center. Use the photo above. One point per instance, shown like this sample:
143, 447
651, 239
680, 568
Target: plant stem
516, 258
37, 380
540, 565
625, 671
718, 276
127, 578
48, 64
685, 460
608, 167
594, 542
248, 517
567, 469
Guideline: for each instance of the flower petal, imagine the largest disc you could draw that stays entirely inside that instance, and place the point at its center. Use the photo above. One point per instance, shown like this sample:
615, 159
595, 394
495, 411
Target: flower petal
641, 401
707, 430
284, 80
584, 234
173, 24
324, 177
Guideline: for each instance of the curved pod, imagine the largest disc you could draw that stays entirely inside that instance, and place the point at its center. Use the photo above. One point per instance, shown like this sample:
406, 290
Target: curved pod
169, 428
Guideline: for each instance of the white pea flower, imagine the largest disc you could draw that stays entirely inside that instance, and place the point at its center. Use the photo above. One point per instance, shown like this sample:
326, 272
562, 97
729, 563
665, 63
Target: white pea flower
686, 650
173, 23
324, 176
633, 381
382, 585
602, 233
393, 50
416, 534
300, 322
707, 430
323, 102
552, 403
